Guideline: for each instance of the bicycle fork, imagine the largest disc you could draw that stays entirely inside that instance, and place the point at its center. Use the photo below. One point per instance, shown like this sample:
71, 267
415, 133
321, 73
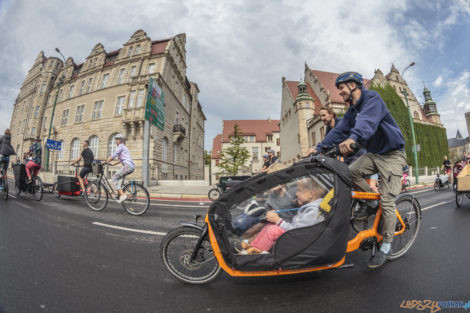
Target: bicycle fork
199, 243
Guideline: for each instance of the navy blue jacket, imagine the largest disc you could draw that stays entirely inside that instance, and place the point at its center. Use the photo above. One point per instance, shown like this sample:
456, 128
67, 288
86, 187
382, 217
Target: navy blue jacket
368, 122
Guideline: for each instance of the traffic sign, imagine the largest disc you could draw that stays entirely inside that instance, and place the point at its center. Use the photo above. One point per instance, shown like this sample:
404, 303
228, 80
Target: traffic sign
53, 144
154, 112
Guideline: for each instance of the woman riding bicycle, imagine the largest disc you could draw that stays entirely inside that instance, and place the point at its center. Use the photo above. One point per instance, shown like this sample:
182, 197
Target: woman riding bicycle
34, 164
6, 150
122, 153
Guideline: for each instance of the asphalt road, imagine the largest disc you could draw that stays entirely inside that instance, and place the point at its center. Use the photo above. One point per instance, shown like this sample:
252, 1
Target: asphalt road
58, 256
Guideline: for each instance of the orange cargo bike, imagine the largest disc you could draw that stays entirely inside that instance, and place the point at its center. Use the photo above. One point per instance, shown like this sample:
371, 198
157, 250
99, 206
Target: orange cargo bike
195, 253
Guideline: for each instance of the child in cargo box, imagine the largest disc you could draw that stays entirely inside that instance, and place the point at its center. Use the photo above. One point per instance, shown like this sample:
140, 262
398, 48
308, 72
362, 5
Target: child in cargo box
309, 196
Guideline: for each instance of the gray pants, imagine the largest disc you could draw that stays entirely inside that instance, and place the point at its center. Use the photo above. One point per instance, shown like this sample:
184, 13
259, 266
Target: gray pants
389, 166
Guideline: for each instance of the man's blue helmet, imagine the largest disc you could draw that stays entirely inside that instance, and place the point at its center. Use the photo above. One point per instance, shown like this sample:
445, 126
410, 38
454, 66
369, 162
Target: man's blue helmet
349, 77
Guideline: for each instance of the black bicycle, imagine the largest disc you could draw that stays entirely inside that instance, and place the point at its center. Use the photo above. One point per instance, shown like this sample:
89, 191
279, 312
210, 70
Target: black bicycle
3, 181
99, 191
34, 187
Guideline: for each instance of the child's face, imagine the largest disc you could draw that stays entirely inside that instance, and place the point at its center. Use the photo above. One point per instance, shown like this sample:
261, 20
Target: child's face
304, 195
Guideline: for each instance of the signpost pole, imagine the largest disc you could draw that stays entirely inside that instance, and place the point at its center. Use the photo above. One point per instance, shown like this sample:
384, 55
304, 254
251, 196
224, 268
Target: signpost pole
145, 154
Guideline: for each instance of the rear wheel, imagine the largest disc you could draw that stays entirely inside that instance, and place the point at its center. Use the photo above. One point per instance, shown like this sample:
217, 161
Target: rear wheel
138, 199
458, 199
411, 215
214, 194
38, 190
96, 196
360, 225
176, 249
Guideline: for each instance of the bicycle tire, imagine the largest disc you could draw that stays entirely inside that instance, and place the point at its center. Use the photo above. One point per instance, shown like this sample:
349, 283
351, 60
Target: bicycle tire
5, 189
138, 200
361, 225
55, 191
38, 190
214, 194
458, 199
436, 186
176, 260
411, 215
96, 196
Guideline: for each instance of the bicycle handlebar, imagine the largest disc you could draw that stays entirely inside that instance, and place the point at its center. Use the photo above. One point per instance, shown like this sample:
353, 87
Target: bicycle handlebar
334, 151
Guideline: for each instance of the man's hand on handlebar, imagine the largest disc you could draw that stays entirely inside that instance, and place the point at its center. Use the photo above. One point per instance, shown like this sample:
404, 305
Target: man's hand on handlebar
345, 146
310, 152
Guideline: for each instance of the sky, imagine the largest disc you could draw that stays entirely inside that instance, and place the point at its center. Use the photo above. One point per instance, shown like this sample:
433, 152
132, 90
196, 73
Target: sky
239, 50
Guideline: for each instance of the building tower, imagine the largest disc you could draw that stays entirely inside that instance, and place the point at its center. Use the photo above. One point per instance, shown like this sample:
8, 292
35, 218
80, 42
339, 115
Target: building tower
429, 107
304, 106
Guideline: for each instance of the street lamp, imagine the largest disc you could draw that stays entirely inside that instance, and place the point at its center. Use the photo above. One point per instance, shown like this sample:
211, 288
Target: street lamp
414, 148
59, 84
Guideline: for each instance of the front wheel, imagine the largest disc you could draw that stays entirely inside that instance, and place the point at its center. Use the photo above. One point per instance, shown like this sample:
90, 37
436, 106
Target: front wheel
214, 194
454, 186
96, 196
38, 190
458, 199
411, 215
436, 185
176, 249
138, 199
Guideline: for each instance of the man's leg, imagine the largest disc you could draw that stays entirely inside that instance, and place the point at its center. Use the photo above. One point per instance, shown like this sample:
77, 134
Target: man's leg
389, 167
360, 169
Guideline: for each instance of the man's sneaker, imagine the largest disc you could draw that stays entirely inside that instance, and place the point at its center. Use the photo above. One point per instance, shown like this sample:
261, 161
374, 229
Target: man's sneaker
366, 209
378, 260
122, 198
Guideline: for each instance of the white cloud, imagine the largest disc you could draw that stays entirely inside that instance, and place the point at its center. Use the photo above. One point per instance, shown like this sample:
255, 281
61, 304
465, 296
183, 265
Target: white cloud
438, 81
237, 51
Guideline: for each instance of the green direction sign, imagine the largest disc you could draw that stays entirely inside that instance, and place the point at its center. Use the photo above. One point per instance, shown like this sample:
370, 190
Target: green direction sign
154, 112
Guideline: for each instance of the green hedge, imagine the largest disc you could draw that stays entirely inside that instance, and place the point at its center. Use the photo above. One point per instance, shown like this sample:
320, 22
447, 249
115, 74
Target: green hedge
432, 139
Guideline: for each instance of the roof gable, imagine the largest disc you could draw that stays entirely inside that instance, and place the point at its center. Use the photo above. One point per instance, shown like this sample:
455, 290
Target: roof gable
258, 128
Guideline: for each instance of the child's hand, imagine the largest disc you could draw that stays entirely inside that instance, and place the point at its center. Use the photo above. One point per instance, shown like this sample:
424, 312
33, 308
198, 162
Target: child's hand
272, 217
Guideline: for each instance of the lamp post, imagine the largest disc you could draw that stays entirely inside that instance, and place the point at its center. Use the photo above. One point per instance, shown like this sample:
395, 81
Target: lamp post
59, 84
413, 138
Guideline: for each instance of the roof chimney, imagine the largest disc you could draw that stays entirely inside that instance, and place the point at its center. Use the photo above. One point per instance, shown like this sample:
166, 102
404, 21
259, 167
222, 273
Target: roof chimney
269, 120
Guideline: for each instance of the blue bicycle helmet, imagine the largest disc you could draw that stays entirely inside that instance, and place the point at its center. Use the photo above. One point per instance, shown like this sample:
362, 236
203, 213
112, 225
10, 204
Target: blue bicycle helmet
349, 77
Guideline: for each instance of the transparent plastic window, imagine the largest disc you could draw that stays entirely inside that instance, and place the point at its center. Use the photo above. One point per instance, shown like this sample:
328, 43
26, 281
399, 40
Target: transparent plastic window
258, 221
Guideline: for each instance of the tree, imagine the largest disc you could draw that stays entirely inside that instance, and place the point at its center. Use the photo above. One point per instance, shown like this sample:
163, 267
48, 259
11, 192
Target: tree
235, 155
207, 157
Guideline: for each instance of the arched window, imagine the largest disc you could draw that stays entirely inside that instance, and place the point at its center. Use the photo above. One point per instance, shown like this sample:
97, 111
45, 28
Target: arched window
75, 148
416, 115
111, 145
164, 149
60, 154
94, 142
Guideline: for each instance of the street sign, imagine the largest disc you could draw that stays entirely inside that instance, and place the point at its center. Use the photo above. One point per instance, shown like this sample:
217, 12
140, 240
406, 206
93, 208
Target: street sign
53, 144
154, 112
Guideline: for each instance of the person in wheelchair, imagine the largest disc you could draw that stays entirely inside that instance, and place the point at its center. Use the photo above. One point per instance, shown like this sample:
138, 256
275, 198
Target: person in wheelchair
309, 196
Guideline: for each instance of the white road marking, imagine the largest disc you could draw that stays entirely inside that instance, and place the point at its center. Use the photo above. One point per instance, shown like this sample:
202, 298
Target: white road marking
180, 205
419, 191
12, 196
435, 205
23, 205
130, 229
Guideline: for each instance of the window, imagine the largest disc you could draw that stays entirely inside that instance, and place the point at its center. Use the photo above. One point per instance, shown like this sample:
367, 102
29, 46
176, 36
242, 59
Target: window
306, 104
75, 148
33, 131
97, 109
65, 117
251, 138
322, 132
151, 68
43, 88
129, 51
416, 115
60, 154
104, 81
119, 104
137, 50
71, 91
278, 142
120, 75
94, 142
131, 99
140, 98
79, 113
111, 145
88, 86
266, 149
314, 139
44, 123
82, 85
255, 153
36, 112
269, 138
164, 149
133, 71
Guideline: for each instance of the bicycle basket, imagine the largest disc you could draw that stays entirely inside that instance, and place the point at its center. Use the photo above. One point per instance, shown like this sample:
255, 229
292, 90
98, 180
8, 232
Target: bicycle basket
97, 167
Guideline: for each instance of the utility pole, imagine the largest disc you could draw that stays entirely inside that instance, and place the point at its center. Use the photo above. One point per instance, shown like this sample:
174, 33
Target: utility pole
59, 84
145, 154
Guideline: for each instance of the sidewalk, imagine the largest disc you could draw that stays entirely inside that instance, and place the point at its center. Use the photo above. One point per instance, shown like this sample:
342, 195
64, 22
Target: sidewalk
186, 193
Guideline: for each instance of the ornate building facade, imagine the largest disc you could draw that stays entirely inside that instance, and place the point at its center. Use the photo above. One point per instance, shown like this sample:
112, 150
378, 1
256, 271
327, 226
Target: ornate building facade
106, 95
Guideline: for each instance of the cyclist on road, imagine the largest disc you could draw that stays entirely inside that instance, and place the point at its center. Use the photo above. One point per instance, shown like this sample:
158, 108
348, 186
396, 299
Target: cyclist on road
447, 168
34, 164
369, 122
88, 157
6, 150
122, 153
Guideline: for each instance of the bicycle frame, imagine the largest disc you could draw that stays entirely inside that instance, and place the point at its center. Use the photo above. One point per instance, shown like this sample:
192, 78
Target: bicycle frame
353, 244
